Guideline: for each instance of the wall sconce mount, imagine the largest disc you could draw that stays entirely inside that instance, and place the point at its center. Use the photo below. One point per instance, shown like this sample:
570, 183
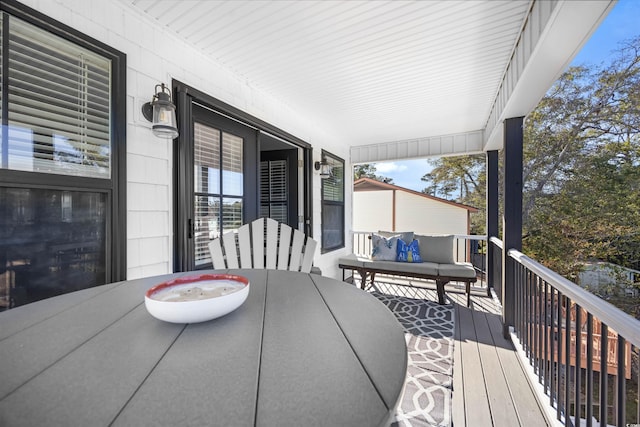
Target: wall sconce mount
161, 113
324, 168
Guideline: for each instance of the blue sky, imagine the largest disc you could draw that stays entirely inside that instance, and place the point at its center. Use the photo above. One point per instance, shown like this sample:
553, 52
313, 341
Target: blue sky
622, 23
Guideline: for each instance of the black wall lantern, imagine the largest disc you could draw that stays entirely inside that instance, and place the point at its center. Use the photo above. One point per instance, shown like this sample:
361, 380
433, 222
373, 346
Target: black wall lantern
324, 168
161, 113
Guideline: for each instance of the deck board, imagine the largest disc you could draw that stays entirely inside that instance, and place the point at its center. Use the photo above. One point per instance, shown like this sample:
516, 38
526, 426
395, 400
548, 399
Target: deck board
490, 387
505, 390
500, 401
474, 390
457, 399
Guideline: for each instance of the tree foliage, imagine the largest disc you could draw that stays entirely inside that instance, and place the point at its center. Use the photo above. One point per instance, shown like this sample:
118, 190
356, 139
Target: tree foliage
581, 177
462, 179
368, 170
581, 168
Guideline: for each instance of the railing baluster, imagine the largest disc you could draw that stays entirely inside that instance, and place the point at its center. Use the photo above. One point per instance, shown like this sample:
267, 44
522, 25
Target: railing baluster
534, 324
547, 327
578, 369
620, 383
589, 375
539, 331
519, 319
519, 292
530, 302
525, 313
604, 347
530, 311
552, 349
567, 357
560, 395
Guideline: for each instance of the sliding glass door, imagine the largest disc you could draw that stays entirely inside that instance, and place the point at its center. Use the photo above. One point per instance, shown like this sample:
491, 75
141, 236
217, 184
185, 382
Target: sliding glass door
231, 168
220, 167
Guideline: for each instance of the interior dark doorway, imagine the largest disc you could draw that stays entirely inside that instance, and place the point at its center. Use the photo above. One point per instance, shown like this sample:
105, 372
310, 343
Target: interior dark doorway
279, 181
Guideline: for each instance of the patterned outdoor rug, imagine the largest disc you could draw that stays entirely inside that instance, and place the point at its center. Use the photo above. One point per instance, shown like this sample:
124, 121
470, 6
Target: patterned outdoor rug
426, 400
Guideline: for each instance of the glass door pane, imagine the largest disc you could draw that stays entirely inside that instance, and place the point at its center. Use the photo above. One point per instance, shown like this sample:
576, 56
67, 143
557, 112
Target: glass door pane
218, 186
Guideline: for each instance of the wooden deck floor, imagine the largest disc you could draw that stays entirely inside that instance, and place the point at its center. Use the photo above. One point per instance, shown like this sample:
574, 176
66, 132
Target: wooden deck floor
490, 387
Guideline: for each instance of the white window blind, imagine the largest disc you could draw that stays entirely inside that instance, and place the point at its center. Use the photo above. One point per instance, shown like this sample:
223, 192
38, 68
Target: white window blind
206, 163
58, 105
333, 187
278, 180
273, 190
232, 178
216, 211
206, 226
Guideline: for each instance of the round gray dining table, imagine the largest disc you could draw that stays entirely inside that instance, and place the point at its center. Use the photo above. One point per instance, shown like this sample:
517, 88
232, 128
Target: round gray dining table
303, 350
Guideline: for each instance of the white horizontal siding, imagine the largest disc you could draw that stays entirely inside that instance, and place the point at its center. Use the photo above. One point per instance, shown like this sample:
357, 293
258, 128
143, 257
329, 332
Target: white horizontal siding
446, 145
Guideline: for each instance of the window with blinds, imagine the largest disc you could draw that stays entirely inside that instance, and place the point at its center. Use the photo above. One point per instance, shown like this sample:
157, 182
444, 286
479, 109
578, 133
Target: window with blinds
62, 182
273, 190
218, 186
333, 205
59, 102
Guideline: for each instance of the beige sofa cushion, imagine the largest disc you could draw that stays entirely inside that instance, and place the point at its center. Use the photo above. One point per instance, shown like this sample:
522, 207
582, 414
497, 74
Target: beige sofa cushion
428, 268
459, 269
353, 260
438, 249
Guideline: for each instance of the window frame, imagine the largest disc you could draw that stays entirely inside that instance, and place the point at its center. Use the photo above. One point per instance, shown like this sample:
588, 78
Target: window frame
323, 248
115, 186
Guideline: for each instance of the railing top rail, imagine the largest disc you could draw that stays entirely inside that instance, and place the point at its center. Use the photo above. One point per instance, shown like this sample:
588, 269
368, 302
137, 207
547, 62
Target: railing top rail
458, 236
612, 316
496, 241
470, 236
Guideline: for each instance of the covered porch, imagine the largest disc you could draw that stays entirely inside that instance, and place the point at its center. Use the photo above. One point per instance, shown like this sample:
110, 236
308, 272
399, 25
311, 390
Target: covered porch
357, 82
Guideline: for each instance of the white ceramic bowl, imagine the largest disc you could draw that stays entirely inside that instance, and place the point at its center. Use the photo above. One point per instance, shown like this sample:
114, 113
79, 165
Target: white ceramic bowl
193, 299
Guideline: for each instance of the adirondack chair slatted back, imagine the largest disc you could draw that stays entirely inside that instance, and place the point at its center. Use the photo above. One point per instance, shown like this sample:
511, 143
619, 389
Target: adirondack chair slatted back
264, 243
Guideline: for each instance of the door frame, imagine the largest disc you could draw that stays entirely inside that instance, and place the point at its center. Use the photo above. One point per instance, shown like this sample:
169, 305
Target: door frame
185, 97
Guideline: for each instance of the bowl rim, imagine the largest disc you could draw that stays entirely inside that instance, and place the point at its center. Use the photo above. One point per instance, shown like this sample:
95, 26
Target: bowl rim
185, 280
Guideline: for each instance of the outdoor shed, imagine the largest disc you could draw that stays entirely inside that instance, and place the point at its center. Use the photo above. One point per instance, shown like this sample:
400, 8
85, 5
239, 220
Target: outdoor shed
381, 206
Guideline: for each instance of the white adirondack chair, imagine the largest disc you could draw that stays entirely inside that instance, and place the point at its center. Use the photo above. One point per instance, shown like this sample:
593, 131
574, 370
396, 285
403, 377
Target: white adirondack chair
247, 247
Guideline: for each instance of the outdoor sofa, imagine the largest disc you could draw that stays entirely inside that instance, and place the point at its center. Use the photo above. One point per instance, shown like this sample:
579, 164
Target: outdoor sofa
437, 263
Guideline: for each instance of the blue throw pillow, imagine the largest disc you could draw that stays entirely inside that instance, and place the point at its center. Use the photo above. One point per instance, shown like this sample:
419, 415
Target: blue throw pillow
408, 253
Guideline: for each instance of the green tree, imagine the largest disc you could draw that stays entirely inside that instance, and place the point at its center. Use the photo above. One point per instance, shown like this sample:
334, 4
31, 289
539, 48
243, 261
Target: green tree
581, 169
368, 170
462, 179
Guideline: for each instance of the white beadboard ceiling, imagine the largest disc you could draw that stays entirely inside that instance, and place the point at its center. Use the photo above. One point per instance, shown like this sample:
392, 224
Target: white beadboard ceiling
376, 71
